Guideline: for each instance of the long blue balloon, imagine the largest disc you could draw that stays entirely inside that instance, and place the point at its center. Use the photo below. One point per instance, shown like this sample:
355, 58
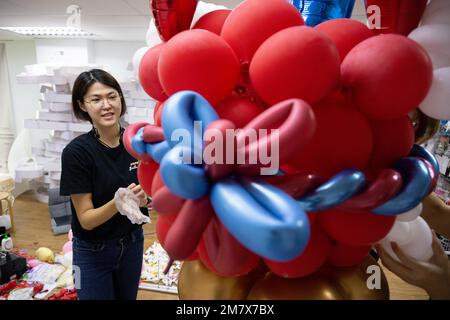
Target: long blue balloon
179, 113
419, 151
137, 142
417, 182
157, 150
335, 191
262, 217
188, 181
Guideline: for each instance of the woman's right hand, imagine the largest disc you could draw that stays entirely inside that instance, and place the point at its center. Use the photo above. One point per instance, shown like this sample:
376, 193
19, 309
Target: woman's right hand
139, 192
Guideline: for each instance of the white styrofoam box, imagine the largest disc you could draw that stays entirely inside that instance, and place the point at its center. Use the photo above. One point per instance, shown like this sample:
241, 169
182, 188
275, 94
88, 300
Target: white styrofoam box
60, 107
129, 102
37, 151
46, 88
28, 171
42, 124
58, 80
139, 103
43, 160
44, 104
54, 139
132, 119
36, 69
70, 70
24, 78
54, 147
56, 176
52, 154
62, 88
54, 184
55, 116
64, 135
129, 85
138, 94
57, 97
80, 127
138, 112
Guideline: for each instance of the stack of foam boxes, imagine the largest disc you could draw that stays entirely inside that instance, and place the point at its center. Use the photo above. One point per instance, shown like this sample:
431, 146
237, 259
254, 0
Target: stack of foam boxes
139, 105
43, 170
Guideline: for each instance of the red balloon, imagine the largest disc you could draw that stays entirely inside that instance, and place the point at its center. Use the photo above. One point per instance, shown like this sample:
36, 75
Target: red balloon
212, 21
201, 61
345, 33
157, 113
392, 140
221, 167
398, 16
355, 228
223, 254
387, 76
298, 62
186, 231
157, 182
172, 16
237, 110
163, 224
291, 118
296, 184
343, 255
148, 73
253, 21
145, 173
312, 258
343, 139
128, 135
385, 185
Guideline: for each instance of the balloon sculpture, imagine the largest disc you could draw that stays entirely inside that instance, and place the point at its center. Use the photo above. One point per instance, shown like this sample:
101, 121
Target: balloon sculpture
329, 105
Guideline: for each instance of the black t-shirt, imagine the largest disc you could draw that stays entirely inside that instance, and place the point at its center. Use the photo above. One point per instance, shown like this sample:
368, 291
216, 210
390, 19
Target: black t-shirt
90, 167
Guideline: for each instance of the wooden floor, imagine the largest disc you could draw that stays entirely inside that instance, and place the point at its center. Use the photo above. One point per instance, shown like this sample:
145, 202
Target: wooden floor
32, 224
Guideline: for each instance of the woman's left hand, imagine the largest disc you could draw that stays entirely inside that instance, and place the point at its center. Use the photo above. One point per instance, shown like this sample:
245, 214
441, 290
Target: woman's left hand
139, 192
433, 276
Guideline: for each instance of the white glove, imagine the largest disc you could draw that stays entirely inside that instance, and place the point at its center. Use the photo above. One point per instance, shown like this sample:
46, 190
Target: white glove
127, 203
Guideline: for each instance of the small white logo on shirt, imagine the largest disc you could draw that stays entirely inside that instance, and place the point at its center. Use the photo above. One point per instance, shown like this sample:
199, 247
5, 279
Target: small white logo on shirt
134, 165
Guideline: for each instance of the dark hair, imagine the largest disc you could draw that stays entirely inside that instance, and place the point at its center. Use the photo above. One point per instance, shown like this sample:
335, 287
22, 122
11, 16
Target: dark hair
82, 85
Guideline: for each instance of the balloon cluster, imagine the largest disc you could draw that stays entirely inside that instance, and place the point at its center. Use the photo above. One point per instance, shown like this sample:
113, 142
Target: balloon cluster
338, 97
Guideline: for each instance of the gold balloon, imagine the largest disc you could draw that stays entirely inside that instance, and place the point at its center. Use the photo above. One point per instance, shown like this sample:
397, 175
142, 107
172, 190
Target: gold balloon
425, 127
196, 282
365, 281
313, 287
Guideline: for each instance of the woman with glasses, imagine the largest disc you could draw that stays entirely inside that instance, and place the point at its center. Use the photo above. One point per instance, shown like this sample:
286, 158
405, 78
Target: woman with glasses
107, 247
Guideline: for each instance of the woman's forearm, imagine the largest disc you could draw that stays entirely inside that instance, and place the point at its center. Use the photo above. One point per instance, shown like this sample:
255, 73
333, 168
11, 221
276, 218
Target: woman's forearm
93, 218
437, 214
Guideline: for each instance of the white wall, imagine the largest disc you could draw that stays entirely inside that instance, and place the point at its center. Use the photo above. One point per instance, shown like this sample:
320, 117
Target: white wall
115, 56
24, 97
55, 51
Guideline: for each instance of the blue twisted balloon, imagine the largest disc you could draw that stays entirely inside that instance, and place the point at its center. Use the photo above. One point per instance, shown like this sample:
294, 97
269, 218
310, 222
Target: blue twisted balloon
417, 184
335, 191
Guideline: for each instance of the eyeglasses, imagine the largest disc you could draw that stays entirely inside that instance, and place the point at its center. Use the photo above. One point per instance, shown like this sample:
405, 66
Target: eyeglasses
98, 102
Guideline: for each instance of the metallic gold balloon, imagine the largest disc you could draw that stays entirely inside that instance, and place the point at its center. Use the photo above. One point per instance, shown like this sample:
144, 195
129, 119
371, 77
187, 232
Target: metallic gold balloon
196, 282
425, 127
314, 287
365, 281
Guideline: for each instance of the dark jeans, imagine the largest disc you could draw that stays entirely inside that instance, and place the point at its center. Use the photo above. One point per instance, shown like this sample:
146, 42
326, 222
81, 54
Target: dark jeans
108, 269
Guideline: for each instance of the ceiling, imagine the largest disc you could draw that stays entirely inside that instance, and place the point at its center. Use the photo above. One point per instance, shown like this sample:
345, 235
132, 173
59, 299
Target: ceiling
106, 19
